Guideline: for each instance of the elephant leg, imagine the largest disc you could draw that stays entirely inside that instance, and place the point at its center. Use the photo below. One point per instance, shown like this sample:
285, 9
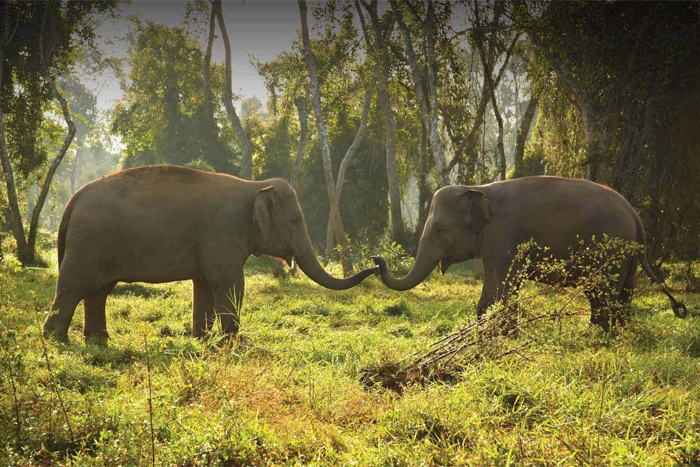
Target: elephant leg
277, 267
72, 286
600, 311
613, 308
228, 302
626, 291
61, 313
95, 315
499, 284
202, 308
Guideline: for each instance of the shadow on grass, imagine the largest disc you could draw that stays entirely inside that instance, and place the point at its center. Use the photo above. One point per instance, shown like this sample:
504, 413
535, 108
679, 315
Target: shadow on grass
139, 290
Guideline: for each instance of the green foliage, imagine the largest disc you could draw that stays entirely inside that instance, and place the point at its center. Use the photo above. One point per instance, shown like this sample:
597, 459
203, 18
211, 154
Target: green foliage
27, 100
630, 70
163, 117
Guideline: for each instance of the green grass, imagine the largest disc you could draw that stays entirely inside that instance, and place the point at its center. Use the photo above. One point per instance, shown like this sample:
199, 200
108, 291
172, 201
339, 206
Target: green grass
293, 387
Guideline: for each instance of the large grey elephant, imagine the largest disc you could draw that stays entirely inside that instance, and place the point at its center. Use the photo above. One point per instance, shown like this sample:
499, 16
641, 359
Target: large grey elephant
166, 223
490, 221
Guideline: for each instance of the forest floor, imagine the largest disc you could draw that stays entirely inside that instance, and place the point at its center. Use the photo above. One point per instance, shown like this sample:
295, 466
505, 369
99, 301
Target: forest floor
295, 386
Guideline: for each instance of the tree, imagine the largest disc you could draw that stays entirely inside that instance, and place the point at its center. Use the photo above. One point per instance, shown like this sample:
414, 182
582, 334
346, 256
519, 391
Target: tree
631, 72
335, 217
247, 160
39, 40
165, 115
378, 48
429, 113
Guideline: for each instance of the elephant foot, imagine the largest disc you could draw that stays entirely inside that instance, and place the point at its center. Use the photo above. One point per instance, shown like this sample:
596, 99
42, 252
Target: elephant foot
602, 320
101, 335
54, 328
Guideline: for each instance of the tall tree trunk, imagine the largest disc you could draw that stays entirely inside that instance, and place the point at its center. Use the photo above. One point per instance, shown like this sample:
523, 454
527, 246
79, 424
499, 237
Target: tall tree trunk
336, 218
381, 58
523, 131
347, 159
425, 114
303, 137
41, 199
423, 191
247, 161
15, 215
435, 142
488, 78
208, 101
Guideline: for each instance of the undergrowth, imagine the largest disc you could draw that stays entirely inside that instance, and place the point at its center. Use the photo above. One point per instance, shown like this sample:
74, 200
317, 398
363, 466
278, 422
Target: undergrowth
303, 384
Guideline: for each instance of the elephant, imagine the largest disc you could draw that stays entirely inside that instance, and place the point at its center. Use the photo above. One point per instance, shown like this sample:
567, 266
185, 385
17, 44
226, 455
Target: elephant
490, 221
166, 223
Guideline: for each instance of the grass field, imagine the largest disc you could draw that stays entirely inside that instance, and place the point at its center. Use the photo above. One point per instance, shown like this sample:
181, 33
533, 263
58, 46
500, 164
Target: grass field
295, 386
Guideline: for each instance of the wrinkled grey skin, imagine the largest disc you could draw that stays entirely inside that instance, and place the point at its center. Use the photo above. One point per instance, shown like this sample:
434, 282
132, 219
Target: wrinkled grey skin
165, 223
551, 210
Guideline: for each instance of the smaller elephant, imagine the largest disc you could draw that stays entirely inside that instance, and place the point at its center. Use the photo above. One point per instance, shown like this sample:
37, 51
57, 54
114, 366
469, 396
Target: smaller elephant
166, 223
490, 221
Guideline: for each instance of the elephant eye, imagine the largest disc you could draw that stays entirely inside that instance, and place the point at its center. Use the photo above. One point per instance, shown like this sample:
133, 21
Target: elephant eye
296, 221
439, 232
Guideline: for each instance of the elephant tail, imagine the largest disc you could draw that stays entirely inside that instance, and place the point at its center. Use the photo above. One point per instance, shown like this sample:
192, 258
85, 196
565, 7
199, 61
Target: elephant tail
63, 229
679, 308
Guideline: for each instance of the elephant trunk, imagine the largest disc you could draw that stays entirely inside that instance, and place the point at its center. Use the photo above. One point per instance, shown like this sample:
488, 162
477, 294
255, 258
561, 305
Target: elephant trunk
420, 270
308, 263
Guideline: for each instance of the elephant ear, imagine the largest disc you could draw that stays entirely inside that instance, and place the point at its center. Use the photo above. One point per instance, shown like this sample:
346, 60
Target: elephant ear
266, 200
477, 209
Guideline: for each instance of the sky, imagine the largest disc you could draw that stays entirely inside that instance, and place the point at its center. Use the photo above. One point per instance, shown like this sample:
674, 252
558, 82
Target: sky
261, 28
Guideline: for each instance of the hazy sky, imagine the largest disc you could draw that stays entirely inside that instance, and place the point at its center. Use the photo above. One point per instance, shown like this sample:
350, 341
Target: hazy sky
262, 28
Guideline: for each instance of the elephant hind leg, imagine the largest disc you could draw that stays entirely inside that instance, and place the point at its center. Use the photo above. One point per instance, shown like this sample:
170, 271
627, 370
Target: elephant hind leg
228, 303
614, 308
61, 313
95, 315
203, 314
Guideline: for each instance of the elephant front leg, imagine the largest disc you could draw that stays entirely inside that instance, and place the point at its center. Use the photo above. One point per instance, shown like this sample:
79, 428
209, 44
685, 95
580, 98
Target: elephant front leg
500, 283
494, 288
202, 308
228, 302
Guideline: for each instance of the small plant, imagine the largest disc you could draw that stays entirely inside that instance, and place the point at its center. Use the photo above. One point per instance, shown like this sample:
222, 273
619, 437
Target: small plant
13, 363
509, 327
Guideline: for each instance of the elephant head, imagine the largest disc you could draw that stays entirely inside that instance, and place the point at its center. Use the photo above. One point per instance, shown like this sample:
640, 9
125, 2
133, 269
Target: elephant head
283, 234
452, 234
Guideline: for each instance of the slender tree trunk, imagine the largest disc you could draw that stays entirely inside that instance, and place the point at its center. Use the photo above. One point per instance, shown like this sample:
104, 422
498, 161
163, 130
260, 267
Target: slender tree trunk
303, 137
41, 199
347, 159
471, 142
247, 162
423, 191
523, 131
336, 218
425, 113
208, 101
381, 57
435, 142
15, 215
26, 246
